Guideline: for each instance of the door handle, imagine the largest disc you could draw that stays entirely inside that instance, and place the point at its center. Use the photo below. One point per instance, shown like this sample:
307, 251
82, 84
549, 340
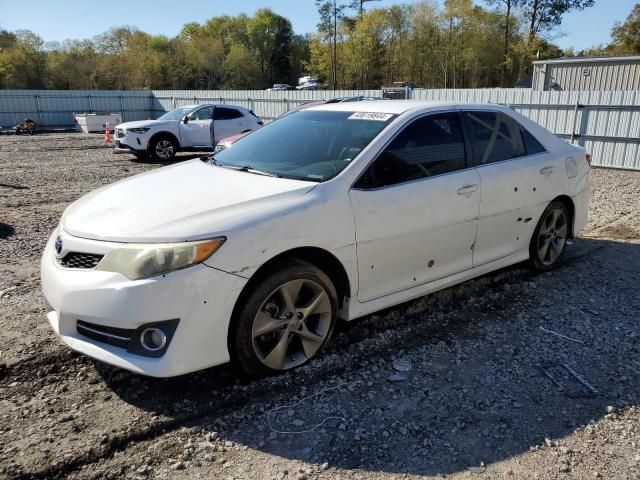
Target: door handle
467, 190
546, 171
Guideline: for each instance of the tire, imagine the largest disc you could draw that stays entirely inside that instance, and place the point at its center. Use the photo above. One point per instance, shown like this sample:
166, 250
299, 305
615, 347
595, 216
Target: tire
265, 336
549, 238
162, 148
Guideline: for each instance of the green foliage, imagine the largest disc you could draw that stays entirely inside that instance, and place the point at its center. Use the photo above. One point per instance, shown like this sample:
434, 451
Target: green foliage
626, 36
432, 43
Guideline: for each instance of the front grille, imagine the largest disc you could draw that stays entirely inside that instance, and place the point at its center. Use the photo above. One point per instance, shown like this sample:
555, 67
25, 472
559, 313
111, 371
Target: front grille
119, 337
80, 260
120, 133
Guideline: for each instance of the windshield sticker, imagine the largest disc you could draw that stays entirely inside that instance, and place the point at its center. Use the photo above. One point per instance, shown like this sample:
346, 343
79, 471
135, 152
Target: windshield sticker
379, 117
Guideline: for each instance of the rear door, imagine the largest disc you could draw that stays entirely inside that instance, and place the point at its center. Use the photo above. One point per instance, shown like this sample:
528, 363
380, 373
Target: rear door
197, 131
227, 121
519, 178
416, 208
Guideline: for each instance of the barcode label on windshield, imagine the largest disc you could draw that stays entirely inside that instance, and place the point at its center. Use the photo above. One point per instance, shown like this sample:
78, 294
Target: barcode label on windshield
380, 117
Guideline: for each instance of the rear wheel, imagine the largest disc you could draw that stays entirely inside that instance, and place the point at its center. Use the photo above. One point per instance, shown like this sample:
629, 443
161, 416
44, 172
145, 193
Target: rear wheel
549, 238
163, 148
285, 320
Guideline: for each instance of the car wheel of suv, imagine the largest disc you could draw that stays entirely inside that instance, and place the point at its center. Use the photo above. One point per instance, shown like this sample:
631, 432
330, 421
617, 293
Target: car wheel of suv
549, 237
285, 320
163, 148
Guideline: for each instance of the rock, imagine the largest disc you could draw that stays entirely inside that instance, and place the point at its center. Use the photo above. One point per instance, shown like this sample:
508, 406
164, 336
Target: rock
297, 423
402, 365
477, 469
398, 376
178, 466
612, 409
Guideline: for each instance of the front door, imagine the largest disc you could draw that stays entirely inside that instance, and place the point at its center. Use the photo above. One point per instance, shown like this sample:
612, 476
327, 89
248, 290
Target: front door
197, 131
416, 209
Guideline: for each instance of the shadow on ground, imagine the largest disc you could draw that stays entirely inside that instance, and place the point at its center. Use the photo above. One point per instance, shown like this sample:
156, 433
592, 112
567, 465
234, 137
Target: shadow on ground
181, 157
475, 392
6, 230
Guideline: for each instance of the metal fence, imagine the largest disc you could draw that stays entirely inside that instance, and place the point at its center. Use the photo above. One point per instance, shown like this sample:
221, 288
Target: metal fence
607, 124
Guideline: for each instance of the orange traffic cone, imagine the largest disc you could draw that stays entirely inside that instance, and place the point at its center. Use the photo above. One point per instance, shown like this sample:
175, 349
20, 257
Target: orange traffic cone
107, 134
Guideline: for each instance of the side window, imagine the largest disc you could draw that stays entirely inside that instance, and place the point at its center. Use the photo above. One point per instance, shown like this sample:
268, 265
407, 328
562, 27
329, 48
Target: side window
202, 114
429, 146
496, 137
531, 145
222, 113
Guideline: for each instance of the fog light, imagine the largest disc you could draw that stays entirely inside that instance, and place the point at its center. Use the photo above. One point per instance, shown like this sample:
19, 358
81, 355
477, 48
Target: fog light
153, 339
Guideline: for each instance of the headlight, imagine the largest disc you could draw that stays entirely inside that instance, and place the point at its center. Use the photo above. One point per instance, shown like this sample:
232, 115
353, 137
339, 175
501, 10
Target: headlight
139, 260
139, 130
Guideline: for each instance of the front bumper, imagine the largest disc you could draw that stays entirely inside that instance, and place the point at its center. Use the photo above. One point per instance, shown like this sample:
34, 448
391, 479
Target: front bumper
201, 297
130, 142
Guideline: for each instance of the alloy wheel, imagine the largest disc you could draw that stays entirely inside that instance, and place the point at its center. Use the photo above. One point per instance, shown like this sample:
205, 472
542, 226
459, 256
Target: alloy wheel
292, 324
164, 149
552, 236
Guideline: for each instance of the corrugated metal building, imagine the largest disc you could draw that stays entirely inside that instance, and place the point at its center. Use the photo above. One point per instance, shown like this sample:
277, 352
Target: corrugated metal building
588, 74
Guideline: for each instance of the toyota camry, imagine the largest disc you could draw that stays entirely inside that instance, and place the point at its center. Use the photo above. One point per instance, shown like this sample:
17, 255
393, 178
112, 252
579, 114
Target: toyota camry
325, 215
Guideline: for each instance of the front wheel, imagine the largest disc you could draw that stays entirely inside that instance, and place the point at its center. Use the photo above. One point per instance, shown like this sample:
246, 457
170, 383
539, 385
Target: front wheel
549, 238
163, 149
285, 320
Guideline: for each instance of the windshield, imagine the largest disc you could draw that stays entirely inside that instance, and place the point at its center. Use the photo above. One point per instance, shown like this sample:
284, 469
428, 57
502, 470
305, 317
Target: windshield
306, 145
176, 114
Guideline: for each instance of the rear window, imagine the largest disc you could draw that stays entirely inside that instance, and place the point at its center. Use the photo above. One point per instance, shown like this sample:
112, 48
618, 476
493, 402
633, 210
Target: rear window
496, 137
531, 145
223, 113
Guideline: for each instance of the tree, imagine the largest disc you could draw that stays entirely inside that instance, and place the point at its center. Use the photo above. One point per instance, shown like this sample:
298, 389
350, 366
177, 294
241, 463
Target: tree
543, 15
330, 12
509, 6
271, 36
626, 36
358, 5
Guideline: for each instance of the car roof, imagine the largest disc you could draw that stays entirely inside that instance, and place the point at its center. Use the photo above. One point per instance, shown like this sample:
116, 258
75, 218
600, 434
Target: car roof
195, 105
397, 107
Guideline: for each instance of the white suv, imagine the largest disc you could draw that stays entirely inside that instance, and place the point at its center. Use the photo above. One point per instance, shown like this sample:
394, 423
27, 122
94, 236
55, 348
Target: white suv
187, 128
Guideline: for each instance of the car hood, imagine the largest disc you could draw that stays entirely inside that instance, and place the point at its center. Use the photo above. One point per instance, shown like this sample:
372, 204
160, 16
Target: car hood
187, 201
143, 123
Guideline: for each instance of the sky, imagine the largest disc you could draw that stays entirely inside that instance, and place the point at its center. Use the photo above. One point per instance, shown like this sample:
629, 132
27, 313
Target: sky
57, 20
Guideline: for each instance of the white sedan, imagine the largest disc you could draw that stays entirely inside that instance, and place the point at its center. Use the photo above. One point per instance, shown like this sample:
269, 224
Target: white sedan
187, 128
329, 213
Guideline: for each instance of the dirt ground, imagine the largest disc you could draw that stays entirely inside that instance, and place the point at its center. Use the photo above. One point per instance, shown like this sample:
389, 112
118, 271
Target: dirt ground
460, 384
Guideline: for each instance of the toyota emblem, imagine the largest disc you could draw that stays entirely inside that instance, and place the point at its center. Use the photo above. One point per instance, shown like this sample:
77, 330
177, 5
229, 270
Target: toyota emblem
58, 245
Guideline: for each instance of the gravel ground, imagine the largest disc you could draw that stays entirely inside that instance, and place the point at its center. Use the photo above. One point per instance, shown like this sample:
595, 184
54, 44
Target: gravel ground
451, 385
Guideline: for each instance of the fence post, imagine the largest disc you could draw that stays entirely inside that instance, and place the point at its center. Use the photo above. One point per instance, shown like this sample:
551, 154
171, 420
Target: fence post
90, 105
575, 120
122, 108
250, 103
173, 102
39, 111
286, 103
152, 109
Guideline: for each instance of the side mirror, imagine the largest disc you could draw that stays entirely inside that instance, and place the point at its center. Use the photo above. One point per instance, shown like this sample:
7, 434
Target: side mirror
185, 119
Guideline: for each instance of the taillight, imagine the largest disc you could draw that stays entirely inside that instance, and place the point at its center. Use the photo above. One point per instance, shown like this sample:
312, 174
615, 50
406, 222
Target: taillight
588, 158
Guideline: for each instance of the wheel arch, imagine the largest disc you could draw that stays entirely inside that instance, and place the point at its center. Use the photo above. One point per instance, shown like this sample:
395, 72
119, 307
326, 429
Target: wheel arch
571, 209
163, 133
319, 257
